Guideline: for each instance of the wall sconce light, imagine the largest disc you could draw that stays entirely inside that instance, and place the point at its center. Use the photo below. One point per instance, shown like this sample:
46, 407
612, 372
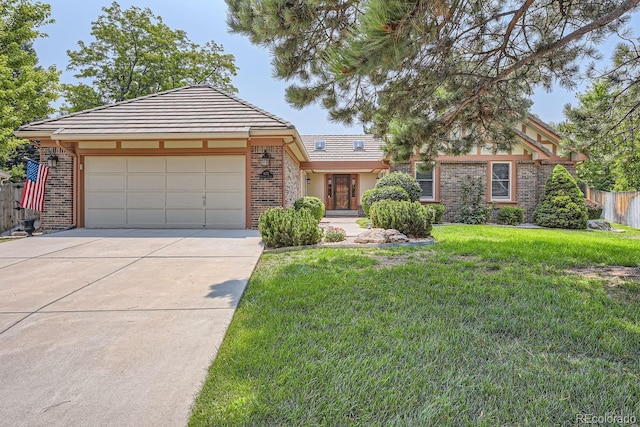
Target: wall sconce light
264, 161
52, 161
308, 181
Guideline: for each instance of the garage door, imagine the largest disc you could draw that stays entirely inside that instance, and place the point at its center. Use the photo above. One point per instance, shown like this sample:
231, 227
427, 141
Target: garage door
185, 192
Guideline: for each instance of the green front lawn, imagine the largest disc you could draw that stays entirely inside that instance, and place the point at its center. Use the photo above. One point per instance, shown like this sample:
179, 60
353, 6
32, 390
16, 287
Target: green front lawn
485, 328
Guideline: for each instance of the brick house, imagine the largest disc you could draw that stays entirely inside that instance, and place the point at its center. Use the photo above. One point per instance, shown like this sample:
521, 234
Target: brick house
511, 178
199, 157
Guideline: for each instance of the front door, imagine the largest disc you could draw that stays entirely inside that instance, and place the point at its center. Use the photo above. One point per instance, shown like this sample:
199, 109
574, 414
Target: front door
341, 196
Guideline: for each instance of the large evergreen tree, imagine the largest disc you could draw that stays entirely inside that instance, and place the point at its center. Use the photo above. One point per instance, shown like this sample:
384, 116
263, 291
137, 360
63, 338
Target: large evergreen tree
441, 75
26, 89
606, 125
134, 54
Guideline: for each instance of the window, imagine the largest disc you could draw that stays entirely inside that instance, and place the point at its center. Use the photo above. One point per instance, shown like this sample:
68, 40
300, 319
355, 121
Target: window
500, 181
320, 145
426, 182
358, 145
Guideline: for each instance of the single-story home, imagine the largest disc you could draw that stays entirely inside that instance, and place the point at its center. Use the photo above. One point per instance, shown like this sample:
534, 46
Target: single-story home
200, 157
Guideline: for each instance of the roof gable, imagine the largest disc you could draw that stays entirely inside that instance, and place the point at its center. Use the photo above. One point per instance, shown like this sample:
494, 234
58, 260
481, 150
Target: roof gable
190, 109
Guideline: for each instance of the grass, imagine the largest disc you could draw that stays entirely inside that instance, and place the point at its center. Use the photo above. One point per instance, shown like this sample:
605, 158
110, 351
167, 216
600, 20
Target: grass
485, 328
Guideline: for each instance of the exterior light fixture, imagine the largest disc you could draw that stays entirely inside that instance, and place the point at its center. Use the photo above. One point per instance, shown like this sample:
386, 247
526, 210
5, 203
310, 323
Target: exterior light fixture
308, 181
264, 161
52, 161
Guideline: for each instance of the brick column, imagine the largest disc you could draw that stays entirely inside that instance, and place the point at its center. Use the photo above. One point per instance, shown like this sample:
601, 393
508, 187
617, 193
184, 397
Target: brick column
58, 199
265, 192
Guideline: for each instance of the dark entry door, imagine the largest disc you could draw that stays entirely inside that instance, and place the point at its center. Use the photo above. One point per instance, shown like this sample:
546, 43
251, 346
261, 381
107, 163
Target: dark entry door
341, 193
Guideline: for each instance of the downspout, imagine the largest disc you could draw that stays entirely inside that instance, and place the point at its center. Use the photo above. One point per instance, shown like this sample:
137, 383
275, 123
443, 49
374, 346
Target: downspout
75, 181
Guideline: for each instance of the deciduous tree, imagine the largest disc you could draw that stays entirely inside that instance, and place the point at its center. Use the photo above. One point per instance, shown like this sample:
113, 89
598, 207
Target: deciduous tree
134, 54
26, 89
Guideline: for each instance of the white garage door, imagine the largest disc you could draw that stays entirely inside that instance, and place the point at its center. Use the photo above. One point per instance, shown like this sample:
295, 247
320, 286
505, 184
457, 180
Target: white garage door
185, 192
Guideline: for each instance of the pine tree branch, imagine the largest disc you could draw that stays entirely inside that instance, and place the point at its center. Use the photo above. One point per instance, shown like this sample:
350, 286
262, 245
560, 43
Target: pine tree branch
576, 35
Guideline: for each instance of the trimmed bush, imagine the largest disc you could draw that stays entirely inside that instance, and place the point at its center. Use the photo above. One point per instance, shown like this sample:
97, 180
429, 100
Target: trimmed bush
291, 227
410, 218
334, 234
314, 204
563, 204
404, 180
474, 209
438, 212
510, 215
594, 209
369, 197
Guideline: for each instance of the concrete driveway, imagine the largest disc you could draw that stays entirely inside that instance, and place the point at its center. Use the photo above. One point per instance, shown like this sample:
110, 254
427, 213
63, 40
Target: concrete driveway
115, 327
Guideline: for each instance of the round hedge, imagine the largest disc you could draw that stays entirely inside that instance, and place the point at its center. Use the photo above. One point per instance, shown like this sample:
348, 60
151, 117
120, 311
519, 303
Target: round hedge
314, 204
369, 197
403, 180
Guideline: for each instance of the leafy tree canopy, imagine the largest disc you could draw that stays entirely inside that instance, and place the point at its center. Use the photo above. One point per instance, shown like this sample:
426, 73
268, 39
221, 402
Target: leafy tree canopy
440, 75
26, 89
134, 54
605, 124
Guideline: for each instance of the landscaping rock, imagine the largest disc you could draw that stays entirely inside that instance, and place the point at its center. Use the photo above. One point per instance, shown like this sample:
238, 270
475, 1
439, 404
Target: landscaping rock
602, 225
380, 235
394, 236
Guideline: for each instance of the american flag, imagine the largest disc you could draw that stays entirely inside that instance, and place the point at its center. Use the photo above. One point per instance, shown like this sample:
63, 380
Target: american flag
33, 195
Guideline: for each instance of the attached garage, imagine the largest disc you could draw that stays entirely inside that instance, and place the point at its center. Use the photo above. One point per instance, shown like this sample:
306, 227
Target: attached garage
191, 157
165, 191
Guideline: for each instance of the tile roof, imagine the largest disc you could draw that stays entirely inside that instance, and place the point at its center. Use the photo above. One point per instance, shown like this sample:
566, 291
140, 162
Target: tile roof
340, 148
190, 109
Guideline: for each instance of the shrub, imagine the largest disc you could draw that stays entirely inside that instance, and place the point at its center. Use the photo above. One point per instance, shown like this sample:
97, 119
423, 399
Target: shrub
314, 204
404, 180
410, 218
510, 215
334, 234
385, 193
474, 209
562, 204
438, 212
594, 209
291, 227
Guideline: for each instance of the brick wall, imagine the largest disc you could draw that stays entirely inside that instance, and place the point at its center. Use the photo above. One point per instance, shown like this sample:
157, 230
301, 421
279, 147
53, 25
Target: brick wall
452, 175
401, 167
58, 199
291, 180
527, 192
265, 192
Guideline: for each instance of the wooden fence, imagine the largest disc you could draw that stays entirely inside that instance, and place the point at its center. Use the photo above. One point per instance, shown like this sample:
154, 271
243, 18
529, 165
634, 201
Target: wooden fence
621, 208
10, 217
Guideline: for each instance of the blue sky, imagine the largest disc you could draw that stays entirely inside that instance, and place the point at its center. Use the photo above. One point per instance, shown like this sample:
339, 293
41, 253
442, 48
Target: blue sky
205, 20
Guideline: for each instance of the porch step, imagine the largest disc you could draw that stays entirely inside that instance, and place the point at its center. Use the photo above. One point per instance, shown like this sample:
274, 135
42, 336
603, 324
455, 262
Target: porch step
338, 213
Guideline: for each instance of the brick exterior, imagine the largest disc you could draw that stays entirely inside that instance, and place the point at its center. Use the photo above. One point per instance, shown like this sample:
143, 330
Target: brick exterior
58, 199
291, 180
527, 193
401, 167
452, 175
265, 192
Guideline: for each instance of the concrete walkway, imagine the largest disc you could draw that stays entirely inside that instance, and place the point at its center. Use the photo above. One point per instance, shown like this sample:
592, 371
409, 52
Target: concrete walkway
115, 327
